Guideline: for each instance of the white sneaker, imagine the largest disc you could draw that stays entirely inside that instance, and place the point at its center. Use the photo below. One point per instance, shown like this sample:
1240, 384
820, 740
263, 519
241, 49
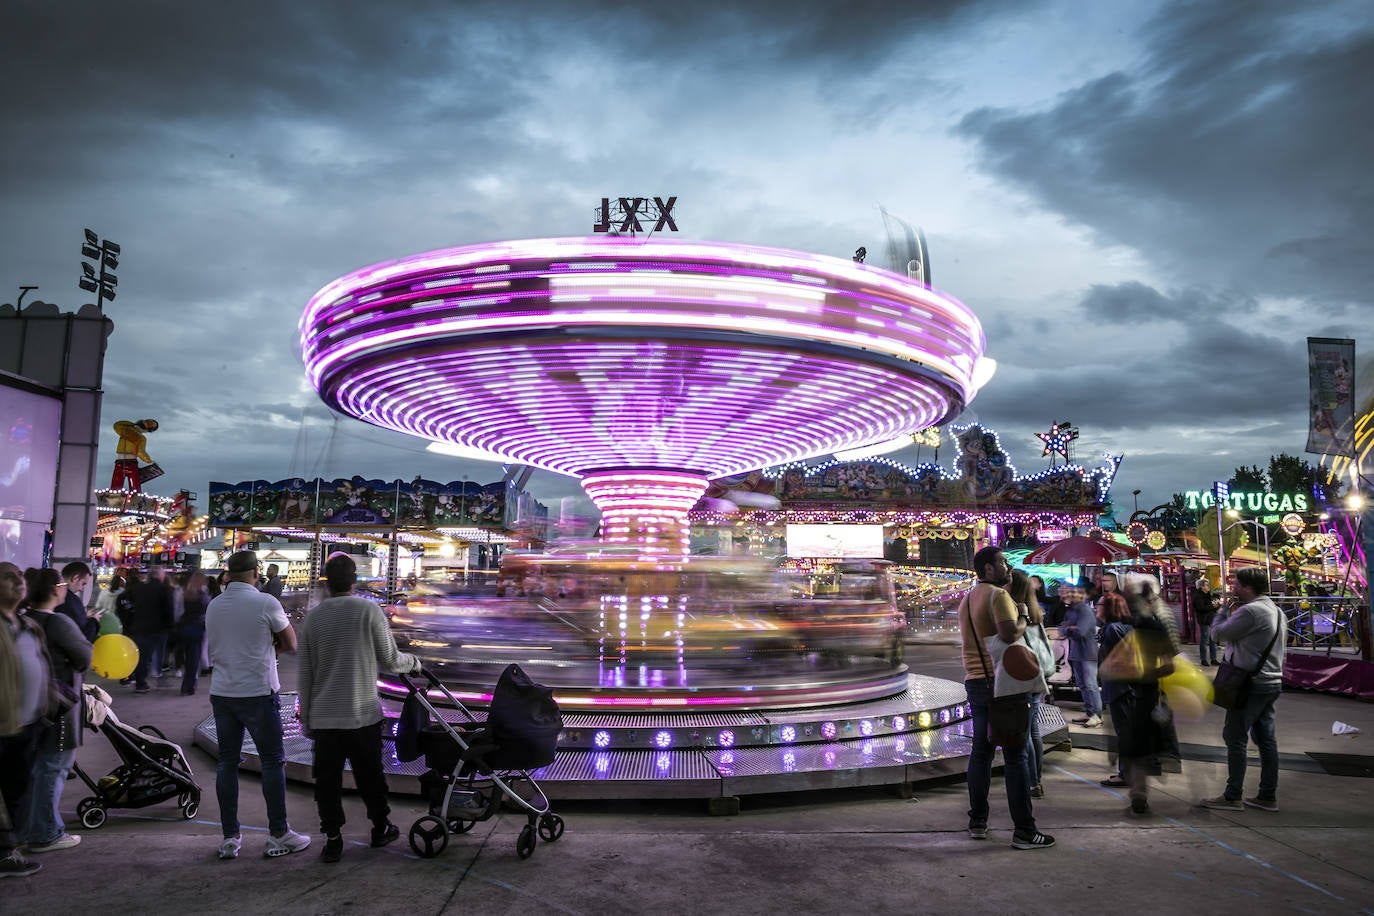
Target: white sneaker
65, 841
287, 843
1093, 722
229, 847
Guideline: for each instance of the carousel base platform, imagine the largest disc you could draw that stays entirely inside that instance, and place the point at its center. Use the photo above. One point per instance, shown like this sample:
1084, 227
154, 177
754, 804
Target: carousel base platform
919, 734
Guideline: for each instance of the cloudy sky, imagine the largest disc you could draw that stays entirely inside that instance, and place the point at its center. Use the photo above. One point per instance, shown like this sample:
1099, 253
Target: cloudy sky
1150, 205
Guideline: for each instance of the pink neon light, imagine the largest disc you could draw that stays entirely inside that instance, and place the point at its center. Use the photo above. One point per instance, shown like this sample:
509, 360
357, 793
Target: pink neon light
583, 354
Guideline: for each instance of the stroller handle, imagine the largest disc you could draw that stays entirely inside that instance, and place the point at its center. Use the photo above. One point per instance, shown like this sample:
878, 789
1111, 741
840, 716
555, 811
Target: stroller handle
424, 673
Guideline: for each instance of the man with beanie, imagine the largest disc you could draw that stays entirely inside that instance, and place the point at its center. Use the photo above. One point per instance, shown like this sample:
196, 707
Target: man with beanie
345, 640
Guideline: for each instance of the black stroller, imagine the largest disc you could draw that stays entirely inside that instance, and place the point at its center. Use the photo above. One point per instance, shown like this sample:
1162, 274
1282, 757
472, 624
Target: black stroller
151, 768
474, 767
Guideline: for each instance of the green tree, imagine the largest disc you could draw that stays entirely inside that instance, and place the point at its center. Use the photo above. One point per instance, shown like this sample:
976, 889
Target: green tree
1249, 479
1294, 474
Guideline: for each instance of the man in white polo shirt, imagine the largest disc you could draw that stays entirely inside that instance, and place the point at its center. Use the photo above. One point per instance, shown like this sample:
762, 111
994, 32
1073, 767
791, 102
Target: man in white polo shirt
245, 628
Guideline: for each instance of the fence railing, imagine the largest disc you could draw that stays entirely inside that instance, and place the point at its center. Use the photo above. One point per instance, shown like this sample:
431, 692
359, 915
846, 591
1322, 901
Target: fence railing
1321, 623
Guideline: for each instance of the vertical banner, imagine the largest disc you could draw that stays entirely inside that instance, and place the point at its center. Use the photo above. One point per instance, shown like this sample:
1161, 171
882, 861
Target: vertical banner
1331, 381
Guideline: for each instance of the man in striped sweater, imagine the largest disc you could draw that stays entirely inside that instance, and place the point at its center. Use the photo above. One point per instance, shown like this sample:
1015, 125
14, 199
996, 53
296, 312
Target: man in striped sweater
343, 642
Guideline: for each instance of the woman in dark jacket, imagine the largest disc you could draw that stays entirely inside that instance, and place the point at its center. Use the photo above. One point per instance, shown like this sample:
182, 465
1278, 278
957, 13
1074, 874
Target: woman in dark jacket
70, 655
1116, 694
190, 632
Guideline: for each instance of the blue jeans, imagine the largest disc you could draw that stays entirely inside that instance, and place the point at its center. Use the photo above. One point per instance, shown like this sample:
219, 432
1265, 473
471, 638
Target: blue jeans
261, 717
1206, 645
1085, 676
41, 822
1035, 748
1016, 771
1255, 720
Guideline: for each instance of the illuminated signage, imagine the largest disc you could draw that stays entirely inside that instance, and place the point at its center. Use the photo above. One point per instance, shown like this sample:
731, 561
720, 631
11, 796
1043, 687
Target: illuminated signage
1046, 535
1293, 524
623, 214
1240, 501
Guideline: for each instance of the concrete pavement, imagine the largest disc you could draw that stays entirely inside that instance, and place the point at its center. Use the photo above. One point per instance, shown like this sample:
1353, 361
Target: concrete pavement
845, 851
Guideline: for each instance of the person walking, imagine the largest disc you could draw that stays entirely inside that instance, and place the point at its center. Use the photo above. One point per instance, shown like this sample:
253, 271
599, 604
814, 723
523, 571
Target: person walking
986, 610
344, 642
244, 627
1149, 734
1079, 628
24, 674
1116, 691
69, 654
190, 631
150, 623
105, 607
1254, 631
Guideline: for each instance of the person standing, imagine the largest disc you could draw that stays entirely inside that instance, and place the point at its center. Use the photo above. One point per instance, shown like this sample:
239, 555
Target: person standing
244, 628
1112, 604
24, 676
150, 622
69, 654
1205, 612
1256, 629
273, 585
986, 610
344, 642
1022, 591
76, 574
1079, 627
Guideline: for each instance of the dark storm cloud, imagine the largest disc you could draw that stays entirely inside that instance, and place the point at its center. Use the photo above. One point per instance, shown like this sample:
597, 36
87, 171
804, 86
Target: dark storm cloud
1193, 368
1237, 153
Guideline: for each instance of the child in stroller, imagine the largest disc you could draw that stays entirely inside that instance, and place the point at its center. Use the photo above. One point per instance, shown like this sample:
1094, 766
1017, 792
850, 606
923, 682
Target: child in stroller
474, 766
151, 768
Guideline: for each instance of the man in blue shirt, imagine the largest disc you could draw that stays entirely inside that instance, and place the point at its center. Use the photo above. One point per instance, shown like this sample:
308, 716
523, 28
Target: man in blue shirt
76, 574
1079, 628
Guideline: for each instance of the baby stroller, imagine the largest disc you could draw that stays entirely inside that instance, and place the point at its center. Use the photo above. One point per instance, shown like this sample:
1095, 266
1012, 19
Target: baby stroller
151, 769
473, 767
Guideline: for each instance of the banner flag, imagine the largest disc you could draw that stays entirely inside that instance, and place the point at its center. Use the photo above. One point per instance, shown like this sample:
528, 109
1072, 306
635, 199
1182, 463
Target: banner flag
1331, 379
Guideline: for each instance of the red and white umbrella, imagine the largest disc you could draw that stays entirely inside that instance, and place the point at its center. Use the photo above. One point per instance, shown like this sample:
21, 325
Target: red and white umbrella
1081, 551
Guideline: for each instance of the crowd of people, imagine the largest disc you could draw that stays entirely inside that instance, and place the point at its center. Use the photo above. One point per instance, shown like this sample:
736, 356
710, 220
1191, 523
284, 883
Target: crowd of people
229, 627
1122, 642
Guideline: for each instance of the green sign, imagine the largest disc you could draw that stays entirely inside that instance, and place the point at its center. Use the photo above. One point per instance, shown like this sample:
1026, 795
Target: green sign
1240, 501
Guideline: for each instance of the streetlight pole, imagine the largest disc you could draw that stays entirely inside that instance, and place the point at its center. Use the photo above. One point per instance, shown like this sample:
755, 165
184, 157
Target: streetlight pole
102, 283
1135, 495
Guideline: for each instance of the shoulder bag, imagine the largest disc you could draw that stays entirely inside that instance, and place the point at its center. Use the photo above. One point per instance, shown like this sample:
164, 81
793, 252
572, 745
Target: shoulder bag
1008, 716
1231, 686
1039, 641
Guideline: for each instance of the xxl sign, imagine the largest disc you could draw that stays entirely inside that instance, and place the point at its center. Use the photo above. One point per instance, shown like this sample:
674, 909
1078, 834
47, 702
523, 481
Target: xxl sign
1249, 502
624, 214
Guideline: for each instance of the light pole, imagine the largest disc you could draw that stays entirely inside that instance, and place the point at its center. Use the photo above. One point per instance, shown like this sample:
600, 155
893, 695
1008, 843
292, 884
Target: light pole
1135, 495
103, 282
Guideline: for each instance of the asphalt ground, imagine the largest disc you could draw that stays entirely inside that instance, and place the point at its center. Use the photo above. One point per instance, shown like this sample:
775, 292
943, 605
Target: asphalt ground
860, 850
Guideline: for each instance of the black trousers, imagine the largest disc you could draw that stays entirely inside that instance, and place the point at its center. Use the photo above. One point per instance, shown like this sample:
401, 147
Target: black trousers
17, 754
362, 749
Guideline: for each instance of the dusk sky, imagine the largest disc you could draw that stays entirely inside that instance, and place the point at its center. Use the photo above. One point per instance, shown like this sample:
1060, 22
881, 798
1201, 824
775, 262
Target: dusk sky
1149, 205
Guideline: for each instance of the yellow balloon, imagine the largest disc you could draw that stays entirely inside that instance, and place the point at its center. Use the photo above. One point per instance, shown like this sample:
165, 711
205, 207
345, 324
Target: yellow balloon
114, 656
1186, 705
1188, 678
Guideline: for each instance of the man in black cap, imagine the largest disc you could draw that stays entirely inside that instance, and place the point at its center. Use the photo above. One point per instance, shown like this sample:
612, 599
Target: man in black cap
245, 628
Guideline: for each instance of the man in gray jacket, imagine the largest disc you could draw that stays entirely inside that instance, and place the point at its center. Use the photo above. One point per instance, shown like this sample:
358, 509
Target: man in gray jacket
1254, 624
343, 643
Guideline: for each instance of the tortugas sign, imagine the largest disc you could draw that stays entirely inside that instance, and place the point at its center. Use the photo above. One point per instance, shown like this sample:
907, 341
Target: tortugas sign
1240, 501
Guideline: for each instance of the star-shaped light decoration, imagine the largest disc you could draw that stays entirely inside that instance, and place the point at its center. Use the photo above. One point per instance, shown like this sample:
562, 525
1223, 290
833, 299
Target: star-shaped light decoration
1057, 439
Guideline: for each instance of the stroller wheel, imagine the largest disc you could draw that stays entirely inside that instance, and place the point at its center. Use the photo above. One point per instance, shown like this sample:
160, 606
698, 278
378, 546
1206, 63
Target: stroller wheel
524, 847
189, 809
152, 730
94, 816
428, 836
458, 825
550, 827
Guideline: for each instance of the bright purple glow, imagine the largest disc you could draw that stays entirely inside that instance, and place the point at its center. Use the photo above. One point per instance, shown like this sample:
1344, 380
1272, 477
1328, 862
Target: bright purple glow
828, 731
866, 727
944, 717
663, 739
602, 739
664, 762
899, 722
788, 734
726, 738
587, 354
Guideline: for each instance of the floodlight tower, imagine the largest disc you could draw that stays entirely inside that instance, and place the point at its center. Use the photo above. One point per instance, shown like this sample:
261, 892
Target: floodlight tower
103, 281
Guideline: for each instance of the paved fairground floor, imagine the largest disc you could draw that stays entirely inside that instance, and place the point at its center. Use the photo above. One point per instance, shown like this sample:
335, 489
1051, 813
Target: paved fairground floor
864, 850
